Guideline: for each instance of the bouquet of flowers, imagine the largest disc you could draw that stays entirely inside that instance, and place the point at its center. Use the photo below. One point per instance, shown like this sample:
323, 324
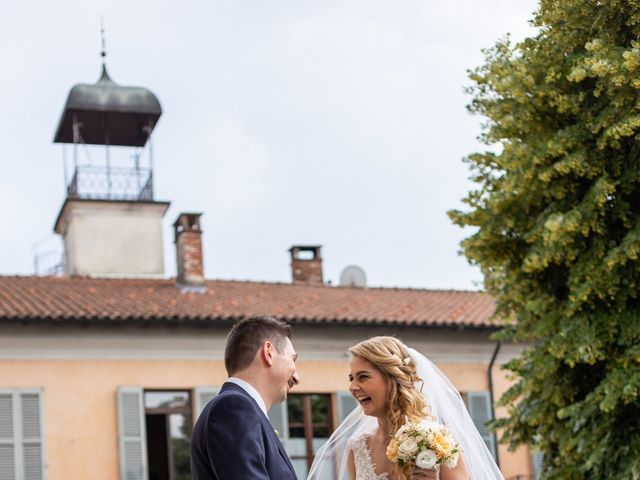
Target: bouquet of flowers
424, 443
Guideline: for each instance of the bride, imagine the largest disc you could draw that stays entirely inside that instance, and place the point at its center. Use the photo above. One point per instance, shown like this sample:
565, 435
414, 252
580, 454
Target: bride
393, 383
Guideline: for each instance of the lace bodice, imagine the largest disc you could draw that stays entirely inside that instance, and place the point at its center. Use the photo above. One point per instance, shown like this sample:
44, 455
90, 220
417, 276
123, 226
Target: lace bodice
365, 468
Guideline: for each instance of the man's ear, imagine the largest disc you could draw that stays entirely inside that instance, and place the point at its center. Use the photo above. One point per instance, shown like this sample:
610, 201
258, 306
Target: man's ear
267, 352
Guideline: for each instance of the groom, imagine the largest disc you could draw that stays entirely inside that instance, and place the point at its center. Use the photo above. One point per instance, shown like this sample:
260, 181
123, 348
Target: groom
233, 439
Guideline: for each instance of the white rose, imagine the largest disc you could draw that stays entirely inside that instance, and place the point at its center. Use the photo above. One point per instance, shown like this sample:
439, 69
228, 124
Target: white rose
408, 448
426, 459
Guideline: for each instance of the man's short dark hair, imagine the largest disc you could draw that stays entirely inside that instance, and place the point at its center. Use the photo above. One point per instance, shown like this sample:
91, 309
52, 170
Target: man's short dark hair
248, 335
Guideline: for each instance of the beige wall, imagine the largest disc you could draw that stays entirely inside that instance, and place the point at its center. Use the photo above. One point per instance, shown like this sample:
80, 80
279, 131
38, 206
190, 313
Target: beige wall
80, 376
79, 405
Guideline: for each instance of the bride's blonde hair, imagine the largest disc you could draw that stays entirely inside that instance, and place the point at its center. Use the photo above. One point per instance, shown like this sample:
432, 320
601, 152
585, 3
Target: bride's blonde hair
391, 357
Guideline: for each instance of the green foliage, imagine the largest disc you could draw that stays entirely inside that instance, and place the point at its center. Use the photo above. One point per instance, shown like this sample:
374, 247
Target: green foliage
557, 217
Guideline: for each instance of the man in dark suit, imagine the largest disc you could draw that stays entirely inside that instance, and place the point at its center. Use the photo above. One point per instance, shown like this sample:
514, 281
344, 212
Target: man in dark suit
233, 438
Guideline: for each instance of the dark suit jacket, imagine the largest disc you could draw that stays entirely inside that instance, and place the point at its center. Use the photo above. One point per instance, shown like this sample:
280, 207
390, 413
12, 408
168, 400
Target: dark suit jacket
234, 440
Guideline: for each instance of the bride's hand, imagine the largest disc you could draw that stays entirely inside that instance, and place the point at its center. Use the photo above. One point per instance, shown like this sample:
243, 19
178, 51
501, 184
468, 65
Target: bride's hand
424, 474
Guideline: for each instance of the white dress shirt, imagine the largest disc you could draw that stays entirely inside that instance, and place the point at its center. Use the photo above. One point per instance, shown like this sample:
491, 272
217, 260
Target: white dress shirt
247, 387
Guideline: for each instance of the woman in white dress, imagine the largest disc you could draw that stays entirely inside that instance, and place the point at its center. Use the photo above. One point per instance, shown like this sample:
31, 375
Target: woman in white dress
393, 383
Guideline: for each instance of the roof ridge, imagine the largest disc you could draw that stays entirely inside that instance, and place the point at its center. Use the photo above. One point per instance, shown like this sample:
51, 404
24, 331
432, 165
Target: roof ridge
244, 281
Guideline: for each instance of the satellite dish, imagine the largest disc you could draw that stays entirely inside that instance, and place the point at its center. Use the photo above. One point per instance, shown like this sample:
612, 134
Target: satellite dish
353, 276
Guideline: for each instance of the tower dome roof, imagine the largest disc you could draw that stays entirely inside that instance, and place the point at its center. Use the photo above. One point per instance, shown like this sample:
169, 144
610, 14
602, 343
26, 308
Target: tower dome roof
108, 113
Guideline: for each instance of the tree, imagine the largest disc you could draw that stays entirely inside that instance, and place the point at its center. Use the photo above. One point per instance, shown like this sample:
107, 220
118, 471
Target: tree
557, 216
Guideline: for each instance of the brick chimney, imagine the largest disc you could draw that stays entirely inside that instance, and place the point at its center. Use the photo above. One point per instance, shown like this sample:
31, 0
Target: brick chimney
188, 238
306, 264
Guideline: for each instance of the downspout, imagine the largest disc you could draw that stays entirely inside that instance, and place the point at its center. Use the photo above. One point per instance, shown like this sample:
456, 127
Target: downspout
493, 412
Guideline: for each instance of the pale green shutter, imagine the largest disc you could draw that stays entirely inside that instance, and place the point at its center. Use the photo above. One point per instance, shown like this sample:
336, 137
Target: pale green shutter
479, 404
7, 439
278, 416
32, 438
537, 459
346, 404
203, 395
132, 434
21, 435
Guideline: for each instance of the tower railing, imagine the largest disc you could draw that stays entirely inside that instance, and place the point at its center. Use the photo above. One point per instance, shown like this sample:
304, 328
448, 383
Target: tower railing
111, 183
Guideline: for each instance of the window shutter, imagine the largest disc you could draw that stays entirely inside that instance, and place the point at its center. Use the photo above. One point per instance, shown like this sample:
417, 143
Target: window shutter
278, 416
32, 444
7, 442
537, 459
203, 395
132, 434
346, 404
480, 410
21, 435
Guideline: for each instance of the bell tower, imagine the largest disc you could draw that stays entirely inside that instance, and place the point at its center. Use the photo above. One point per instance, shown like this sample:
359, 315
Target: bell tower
110, 222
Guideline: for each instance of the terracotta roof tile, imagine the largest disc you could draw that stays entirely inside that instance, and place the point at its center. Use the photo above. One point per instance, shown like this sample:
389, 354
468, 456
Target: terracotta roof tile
83, 298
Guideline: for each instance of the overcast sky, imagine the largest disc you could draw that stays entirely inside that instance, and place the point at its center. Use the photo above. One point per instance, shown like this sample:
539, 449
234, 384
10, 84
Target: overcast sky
336, 122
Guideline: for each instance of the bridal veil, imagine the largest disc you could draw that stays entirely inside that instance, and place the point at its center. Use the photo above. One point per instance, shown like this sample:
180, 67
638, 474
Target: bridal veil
446, 406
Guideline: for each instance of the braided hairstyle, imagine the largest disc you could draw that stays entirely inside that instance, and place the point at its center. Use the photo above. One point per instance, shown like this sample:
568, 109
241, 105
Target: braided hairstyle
391, 357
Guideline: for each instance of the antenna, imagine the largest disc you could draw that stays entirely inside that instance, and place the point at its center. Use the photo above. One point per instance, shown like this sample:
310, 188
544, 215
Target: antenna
48, 256
353, 276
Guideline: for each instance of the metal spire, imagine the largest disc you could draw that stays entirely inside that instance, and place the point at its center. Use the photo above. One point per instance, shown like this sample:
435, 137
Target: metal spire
104, 77
103, 53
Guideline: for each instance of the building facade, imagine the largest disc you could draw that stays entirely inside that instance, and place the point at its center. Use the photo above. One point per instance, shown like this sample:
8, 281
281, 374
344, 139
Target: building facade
104, 378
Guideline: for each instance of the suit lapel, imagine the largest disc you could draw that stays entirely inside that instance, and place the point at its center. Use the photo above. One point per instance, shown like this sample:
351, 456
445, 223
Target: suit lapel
276, 440
283, 454
268, 426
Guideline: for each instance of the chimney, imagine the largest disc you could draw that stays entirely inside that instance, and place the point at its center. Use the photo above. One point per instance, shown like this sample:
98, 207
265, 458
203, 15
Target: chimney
188, 238
306, 264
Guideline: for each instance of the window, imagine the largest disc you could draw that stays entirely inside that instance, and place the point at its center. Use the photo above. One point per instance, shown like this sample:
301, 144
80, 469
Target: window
21, 436
168, 428
305, 421
310, 425
154, 431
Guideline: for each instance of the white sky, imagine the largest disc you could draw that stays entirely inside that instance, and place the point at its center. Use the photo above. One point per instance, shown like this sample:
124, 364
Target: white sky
336, 122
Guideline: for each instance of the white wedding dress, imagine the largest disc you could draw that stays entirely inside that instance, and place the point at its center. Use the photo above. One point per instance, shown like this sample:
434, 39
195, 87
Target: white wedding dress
365, 468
